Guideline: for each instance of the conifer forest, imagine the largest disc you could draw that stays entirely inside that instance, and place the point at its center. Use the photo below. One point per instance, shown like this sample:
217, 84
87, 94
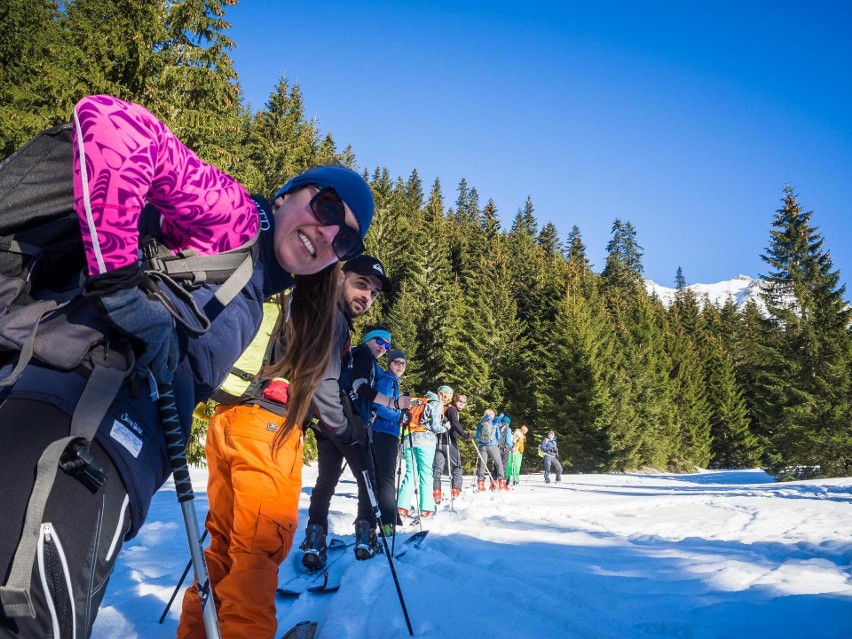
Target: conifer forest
517, 318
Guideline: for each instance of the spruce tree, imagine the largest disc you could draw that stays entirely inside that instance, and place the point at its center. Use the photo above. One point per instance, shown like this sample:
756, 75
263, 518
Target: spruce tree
196, 91
548, 240
622, 274
37, 86
653, 390
692, 408
401, 229
639, 430
811, 429
733, 445
280, 142
622, 380
489, 326
116, 45
435, 289
577, 249
523, 371
758, 367
578, 406
685, 311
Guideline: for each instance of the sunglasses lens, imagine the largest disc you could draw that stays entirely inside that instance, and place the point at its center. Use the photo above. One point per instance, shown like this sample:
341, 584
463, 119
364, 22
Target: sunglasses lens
328, 209
347, 243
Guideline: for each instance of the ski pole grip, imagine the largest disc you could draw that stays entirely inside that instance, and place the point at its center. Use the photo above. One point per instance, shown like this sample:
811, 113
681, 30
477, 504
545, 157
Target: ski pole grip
174, 441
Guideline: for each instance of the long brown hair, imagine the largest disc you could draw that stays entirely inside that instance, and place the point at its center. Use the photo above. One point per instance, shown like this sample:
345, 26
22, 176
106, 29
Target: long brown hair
305, 327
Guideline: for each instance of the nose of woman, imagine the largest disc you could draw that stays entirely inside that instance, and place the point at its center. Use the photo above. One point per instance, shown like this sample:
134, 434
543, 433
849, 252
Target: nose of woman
328, 232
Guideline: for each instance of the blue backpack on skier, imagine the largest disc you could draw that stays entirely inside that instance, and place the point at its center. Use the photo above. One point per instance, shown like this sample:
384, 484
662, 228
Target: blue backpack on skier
506, 432
486, 430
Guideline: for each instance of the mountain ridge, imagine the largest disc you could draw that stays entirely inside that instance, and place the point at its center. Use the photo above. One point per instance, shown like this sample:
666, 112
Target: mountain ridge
741, 288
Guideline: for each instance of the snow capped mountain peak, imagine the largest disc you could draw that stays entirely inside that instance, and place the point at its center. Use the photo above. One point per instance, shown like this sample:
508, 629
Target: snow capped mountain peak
741, 288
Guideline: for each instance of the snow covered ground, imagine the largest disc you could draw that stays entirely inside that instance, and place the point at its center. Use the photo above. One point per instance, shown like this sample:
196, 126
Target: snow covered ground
721, 554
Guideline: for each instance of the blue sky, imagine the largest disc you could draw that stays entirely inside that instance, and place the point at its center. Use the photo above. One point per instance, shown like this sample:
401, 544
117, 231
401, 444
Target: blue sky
686, 118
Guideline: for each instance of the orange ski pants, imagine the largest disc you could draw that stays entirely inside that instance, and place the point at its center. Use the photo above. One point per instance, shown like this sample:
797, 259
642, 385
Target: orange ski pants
254, 509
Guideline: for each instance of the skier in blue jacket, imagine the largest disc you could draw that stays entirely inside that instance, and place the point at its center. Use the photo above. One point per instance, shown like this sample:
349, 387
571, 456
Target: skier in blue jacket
550, 450
386, 429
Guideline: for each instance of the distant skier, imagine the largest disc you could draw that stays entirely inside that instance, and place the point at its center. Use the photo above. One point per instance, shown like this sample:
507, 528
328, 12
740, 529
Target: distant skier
418, 447
386, 428
550, 450
516, 457
448, 445
505, 443
486, 438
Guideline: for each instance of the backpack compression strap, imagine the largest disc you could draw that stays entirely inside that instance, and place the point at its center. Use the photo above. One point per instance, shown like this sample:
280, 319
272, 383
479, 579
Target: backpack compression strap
232, 270
98, 394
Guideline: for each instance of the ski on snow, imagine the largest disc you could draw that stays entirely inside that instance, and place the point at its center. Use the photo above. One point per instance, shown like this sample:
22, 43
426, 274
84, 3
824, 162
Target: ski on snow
325, 580
413, 541
307, 629
302, 630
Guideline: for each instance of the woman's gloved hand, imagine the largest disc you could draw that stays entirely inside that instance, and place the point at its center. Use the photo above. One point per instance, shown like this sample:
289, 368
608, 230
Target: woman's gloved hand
142, 319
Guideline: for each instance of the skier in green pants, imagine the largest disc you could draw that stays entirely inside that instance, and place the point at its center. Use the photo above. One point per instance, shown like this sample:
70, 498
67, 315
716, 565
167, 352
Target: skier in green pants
517, 455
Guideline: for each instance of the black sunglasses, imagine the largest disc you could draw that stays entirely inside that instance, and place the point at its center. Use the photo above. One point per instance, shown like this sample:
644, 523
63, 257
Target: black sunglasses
329, 210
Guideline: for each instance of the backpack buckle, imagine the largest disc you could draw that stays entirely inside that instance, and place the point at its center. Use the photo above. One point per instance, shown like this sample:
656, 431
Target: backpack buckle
78, 462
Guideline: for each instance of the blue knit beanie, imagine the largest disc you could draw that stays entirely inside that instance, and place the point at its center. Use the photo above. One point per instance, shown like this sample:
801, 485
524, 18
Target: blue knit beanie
350, 186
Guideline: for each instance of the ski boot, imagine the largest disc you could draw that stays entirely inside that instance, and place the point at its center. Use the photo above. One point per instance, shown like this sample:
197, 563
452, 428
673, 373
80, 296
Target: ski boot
366, 544
494, 485
502, 484
436, 493
313, 548
480, 485
456, 492
388, 529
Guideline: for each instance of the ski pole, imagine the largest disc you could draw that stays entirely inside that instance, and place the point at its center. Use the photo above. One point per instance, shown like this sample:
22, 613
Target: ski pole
398, 478
183, 486
450, 475
416, 476
378, 514
180, 582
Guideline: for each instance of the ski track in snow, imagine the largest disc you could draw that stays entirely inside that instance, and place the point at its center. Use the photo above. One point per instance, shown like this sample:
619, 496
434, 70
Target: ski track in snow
717, 554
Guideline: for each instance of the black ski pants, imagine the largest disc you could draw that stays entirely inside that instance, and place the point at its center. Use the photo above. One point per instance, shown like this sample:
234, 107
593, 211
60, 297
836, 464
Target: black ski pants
386, 454
330, 465
441, 462
81, 533
551, 461
504, 457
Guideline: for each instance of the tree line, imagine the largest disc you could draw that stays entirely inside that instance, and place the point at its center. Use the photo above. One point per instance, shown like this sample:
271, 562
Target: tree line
514, 317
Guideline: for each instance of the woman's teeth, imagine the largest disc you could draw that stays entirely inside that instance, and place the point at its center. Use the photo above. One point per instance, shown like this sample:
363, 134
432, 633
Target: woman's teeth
308, 245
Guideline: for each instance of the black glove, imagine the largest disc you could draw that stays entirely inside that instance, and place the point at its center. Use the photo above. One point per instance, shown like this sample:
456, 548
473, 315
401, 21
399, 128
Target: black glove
142, 319
358, 429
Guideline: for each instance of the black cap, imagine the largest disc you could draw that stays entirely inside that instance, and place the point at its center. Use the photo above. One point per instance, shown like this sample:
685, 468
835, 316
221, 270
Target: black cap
368, 265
